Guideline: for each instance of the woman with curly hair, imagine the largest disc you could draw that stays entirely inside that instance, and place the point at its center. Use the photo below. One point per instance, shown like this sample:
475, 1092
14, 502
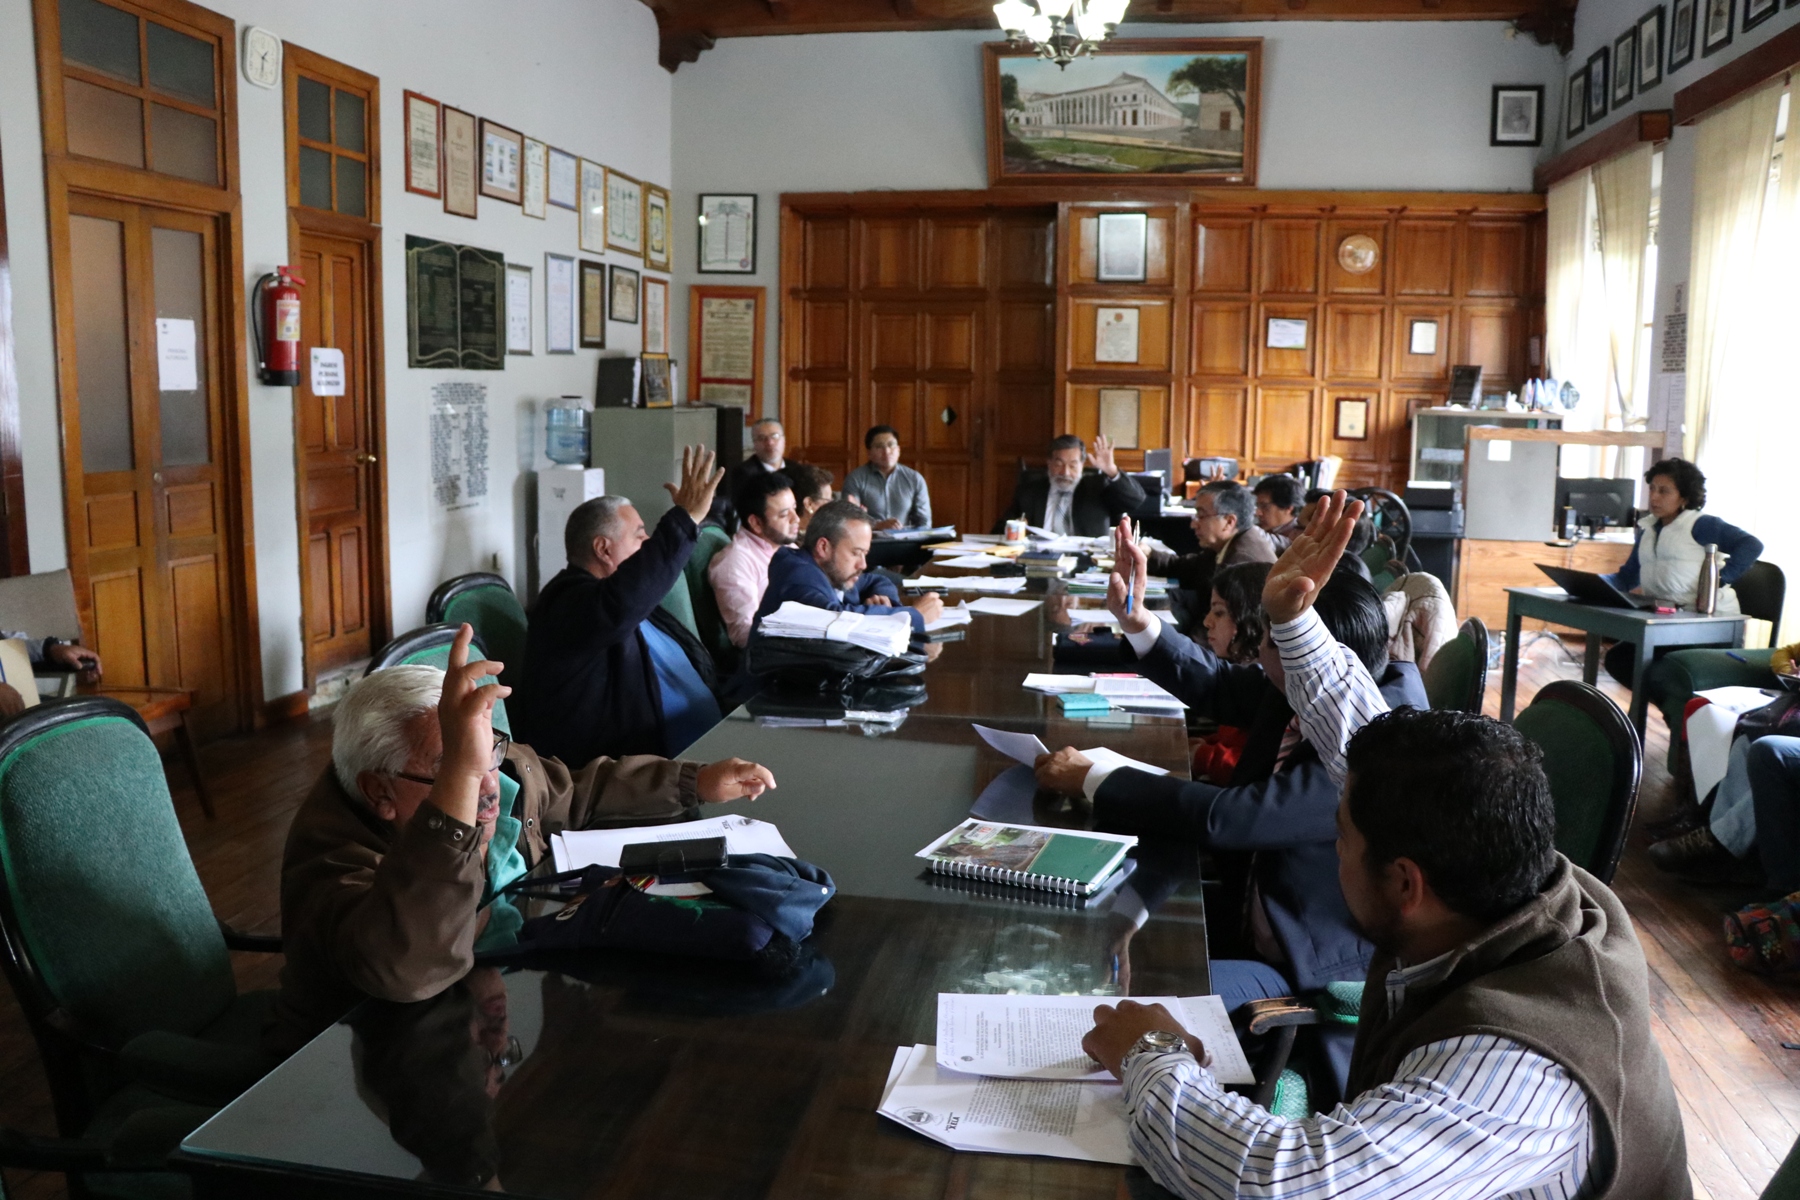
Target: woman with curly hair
1671, 548
1235, 626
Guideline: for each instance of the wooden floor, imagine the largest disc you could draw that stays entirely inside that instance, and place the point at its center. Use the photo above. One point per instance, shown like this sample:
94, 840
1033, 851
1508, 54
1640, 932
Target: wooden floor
1721, 1029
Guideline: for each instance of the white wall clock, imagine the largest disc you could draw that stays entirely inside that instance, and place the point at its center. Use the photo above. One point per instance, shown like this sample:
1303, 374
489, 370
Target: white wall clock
262, 57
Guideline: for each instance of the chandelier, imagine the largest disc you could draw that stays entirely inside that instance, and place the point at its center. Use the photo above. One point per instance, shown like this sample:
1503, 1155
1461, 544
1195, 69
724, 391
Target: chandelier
1060, 31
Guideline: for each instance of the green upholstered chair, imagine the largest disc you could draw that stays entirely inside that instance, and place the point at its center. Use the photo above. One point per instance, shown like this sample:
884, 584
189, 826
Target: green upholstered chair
1594, 760
709, 624
429, 645
112, 949
485, 601
1457, 676
679, 603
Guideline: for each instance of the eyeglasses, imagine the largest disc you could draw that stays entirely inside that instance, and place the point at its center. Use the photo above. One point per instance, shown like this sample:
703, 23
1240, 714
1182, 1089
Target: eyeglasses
501, 745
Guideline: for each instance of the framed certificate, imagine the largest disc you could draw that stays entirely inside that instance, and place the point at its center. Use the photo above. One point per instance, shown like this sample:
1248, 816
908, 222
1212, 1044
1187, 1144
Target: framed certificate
502, 162
725, 345
727, 236
559, 304
1116, 335
593, 305
1119, 409
624, 303
564, 190
1422, 337
1124, 243
1352, 423
424, 146
536, 179
1286, 333
593, 207
624, 214
656, 228
656, 315
518, 309
462, 164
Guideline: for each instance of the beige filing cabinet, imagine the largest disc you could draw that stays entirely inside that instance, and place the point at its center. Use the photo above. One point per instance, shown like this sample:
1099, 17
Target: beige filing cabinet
641, 450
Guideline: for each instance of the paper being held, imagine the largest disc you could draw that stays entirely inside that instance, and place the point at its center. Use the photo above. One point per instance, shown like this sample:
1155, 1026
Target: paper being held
1039, 1037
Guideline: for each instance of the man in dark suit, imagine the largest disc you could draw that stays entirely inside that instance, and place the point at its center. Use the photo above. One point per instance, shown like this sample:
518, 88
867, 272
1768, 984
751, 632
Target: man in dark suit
768, 455
826, 570
1069, 501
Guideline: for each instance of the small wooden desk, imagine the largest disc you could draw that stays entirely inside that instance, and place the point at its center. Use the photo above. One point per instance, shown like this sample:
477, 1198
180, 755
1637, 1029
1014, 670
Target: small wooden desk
1648, 631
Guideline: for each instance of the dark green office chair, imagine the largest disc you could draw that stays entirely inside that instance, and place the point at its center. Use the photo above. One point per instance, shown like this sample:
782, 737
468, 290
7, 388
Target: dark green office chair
1456, 678
1595, 762
709, 624
113, 951
429, 646
485, 601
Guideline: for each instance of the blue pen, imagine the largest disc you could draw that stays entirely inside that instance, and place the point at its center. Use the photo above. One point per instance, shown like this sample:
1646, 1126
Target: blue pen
1115, 968
1728, 654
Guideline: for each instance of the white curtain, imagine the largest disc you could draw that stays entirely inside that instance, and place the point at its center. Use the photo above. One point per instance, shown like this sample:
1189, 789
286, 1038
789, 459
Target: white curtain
1566, 233
1733, 152
1622, 201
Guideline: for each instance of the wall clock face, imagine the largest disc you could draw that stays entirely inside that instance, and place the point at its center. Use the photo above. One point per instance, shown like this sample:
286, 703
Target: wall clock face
262, 57
1358, 253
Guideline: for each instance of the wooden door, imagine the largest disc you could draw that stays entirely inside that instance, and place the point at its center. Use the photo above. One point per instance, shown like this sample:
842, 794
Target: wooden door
337, 461
146, 414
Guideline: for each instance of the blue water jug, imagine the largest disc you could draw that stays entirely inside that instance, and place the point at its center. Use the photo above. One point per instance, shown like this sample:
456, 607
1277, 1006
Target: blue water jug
566, 431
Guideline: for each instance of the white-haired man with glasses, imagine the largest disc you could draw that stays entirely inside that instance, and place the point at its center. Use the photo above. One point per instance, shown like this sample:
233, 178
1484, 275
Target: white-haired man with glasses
424, 813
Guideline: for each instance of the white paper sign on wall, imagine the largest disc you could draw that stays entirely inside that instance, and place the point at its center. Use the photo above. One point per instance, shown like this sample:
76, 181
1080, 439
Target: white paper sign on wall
175, 368
327, 371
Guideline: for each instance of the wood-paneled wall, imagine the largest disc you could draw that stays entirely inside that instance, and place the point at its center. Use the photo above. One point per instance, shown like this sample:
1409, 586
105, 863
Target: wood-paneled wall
967, 320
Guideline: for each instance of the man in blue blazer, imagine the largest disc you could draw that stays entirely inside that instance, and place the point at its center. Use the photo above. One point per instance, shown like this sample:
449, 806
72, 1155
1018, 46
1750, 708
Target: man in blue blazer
827, 570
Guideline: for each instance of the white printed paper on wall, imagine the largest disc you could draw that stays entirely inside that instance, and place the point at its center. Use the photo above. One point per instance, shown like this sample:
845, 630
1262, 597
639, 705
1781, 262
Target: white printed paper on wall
459, 447
175, 367
327, 371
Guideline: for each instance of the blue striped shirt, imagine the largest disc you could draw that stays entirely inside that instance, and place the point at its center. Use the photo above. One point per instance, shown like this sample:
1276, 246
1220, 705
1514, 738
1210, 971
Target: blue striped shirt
1329, 689
1467, 1118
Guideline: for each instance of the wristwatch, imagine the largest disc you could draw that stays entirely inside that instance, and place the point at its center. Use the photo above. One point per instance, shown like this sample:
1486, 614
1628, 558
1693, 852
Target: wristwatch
1157, 1041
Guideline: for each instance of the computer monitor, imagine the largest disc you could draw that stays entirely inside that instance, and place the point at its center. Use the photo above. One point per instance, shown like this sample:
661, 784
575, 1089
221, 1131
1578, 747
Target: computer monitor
1597, 501
1155, 485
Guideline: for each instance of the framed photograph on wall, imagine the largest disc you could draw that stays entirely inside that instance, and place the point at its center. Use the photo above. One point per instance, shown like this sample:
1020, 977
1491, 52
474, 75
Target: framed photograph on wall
564, 185
1352, 424
623, 305
1599, 82
1575, 107
727, 235
502, 162
656, 228
624, 213
1624, 78
1650, 49
1517, 115
559, 304
656, 315
593, 305
1155, 109
1682, 28
462, 163
518, 309
424, 146
535, 183
1123, 251
1758, 11
1716, 18
592, 216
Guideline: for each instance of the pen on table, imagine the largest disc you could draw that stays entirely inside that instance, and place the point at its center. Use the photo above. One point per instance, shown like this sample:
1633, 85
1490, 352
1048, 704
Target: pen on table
1115, 968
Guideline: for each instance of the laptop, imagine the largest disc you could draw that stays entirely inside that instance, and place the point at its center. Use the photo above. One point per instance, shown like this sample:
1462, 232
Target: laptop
1590, 588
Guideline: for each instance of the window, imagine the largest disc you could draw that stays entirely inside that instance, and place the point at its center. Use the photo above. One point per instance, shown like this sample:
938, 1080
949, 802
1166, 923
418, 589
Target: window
140, 93
331, 128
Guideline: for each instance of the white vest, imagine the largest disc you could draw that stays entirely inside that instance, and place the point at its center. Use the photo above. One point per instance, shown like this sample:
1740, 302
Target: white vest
1669, 562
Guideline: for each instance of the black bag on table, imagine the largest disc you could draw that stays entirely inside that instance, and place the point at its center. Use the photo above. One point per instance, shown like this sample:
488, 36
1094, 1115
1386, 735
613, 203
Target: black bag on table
819, 667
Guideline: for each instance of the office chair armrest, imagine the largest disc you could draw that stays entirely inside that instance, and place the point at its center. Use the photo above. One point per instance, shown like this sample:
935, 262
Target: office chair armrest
259, 943
1261, 1016
33, 1152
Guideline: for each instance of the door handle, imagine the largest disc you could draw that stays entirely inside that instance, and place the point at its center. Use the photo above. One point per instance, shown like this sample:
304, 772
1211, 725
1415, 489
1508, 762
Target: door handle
948, 416
364, 458
156, 478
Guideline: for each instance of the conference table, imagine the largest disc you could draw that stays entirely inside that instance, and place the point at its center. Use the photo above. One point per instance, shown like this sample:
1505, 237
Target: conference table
614, 1075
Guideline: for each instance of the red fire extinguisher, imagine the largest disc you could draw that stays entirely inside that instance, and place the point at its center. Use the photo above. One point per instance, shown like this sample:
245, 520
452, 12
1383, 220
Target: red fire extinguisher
278, 327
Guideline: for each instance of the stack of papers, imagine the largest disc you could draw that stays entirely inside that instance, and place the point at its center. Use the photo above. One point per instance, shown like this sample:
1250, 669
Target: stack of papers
934, 534
1088, 616
577, 848
1133, 693
884, 633
1001, 607
1008, 1076
967, 583
974, 561
1093, 583
951, 619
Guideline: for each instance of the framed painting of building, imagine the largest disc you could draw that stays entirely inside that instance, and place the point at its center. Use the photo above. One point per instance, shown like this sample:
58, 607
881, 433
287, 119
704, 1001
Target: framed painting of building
1169, 109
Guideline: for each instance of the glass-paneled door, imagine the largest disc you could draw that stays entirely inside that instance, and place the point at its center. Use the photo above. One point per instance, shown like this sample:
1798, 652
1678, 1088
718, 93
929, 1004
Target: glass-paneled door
147, 400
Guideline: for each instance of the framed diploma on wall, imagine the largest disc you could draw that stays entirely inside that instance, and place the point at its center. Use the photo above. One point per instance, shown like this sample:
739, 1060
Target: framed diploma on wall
564, 190
725, 346
593, 305
535, 185
592, 217
502, 162
655, 296
559, 304
656, 228
727, 236
462, 162
424, 146
624, 213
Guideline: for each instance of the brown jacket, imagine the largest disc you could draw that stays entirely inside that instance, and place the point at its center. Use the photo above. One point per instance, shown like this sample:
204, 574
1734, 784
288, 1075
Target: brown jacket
368, 910
1195, 571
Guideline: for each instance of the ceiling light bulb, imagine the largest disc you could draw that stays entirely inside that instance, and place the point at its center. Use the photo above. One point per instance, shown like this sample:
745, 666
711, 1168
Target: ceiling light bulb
1012, 14
1038, 28
1109, 11
1089, 25
1055, 8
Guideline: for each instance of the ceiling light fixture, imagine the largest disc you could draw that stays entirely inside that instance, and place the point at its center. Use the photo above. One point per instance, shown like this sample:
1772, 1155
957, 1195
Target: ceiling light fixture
1060, 31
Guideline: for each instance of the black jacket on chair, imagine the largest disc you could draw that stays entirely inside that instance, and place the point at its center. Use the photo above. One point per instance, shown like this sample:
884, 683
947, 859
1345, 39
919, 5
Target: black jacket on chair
1286, 819
1099, 502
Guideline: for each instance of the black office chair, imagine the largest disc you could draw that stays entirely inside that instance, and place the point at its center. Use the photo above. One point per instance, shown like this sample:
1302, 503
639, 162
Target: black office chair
1392, 519
1761, 591
1595, 762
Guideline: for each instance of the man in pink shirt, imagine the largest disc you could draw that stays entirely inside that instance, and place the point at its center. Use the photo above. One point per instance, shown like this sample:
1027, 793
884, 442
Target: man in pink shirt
740, 572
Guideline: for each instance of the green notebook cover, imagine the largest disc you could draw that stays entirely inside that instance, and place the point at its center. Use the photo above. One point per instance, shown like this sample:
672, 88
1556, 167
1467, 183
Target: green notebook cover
1055, 859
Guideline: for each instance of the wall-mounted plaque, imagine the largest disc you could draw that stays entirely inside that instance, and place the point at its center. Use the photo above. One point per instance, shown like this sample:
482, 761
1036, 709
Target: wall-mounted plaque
1124, 247
1422, 337
565, 188
1116, 335
725, 346
1119, 409
481, 308
455, 306
518, 309
1352, 423
502, 162
656, 228
536, 185
728, 235
623, 305
424, 147
559, 304
624, 213
592, 216
656, 315
593, 305
1287, 333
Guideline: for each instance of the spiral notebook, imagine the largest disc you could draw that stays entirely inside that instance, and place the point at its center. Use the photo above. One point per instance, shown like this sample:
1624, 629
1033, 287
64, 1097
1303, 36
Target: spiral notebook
1052, 860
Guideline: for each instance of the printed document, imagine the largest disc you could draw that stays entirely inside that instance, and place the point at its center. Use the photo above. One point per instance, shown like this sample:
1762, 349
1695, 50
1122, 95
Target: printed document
1001, 606
1039, 1037
1020, 747
600, 847
968, 583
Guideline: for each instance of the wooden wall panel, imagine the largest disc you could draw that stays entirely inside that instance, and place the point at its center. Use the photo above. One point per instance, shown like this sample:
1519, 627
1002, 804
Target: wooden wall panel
890, 253
1027, 252
1154, 329
1366, 452
957, 256
1222, 249
1219, 334
1027, 333
1290, 256
826, 334
1287, 363
1491, 337
1406, 364
1283, 424
1494, 258
1153, 413
1219, 417
828, 253
1424, 258
1354, 341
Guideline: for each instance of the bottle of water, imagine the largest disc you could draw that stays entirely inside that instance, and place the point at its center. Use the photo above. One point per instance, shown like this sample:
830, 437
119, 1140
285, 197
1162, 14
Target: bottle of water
1706, 596
566, 431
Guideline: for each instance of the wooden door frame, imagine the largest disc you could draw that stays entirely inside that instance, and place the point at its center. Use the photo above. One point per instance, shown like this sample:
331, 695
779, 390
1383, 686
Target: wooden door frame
65, 173
295, 59
15, 557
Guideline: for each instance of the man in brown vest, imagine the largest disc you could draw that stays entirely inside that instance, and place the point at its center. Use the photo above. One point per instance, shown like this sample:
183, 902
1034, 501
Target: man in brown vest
1504, 1046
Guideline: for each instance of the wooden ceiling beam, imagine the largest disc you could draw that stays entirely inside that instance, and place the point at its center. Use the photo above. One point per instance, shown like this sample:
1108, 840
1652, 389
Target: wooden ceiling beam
689, 27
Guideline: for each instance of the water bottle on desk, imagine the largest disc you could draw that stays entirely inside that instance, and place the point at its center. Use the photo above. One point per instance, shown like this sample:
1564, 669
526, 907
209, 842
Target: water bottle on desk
1706, 596
566, 431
